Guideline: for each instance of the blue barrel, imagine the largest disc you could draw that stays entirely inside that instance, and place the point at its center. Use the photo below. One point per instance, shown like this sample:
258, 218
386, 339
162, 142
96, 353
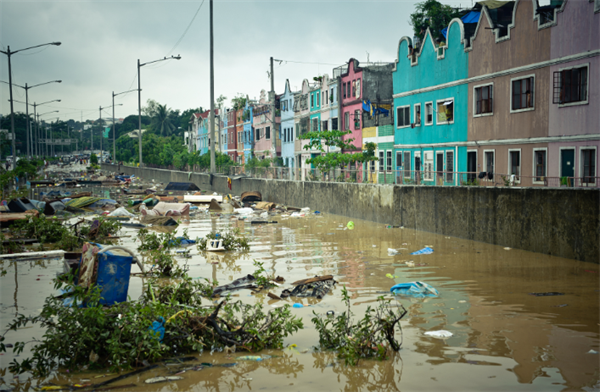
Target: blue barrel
114, 270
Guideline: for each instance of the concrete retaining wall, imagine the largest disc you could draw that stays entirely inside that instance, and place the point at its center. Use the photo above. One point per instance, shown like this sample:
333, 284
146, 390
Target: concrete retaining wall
563, 222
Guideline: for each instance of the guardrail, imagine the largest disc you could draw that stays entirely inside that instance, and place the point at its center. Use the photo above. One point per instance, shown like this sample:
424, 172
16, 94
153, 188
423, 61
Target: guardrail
405, 177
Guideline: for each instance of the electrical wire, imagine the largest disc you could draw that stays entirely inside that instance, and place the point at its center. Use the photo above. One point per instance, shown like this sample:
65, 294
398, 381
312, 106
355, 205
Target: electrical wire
186, 30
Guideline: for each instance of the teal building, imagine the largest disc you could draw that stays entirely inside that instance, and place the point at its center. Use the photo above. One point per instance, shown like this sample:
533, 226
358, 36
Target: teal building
430, 124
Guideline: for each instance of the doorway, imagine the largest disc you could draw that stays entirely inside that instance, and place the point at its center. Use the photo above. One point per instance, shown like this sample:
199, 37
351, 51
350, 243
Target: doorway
471, 165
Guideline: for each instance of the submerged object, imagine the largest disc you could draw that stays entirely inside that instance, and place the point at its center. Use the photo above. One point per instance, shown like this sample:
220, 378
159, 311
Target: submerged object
414, 289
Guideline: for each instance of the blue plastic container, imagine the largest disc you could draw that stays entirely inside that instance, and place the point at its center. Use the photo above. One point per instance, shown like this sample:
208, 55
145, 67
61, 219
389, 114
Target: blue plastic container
113, 276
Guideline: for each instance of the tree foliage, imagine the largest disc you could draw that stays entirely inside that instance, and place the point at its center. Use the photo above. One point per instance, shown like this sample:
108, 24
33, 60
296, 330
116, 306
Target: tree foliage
332, 160
433, 15
239, 101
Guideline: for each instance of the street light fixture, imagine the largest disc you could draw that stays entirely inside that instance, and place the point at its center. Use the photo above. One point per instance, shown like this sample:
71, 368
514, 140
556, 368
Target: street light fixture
8, 53
102, 137
37, 127
113, 122
46, 139
178, 57
28, 131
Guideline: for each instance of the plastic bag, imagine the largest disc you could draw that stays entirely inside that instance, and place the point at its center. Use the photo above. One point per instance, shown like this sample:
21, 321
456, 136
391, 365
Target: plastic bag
121, 211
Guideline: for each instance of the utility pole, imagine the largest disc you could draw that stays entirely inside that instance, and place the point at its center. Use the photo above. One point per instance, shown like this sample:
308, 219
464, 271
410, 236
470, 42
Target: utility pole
273, 130
139, 115
211, 116
101, 134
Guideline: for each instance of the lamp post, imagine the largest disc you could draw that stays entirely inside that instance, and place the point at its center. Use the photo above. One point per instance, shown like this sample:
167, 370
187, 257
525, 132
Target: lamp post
178, 57
102, 132
28, 130
46, 138
8, 53
37, 128
113, 123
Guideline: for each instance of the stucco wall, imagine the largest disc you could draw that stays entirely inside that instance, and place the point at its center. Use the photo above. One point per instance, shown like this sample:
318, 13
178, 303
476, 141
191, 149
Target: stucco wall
558, 221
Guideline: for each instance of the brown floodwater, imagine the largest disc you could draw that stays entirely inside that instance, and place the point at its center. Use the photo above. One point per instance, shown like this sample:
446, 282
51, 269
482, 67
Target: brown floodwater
504, 339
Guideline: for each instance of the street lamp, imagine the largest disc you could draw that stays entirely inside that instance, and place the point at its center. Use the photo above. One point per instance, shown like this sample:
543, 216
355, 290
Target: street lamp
37, 128
113, 123
36, 145
8, 53
178, 57
28, 130
46, 139
102, 133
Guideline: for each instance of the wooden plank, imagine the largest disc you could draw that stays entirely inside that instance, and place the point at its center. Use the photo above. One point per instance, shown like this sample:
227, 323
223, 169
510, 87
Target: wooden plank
202, 198
311, 280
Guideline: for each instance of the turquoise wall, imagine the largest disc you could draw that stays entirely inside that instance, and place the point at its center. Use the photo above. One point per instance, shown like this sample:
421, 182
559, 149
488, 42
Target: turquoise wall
429, 72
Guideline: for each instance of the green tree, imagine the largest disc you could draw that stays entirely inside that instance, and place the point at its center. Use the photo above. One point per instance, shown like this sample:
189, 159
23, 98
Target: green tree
433, 15
162, 121
332, 160
239, 101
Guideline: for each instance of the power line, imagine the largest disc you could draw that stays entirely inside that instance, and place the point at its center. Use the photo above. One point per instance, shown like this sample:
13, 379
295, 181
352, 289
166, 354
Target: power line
186, 30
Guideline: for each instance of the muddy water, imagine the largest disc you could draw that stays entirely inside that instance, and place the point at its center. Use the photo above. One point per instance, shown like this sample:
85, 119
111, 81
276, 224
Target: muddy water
504, 339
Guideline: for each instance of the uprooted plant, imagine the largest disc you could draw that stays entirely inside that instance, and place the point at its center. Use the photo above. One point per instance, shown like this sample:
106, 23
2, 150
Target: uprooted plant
232, 240
370, 337
167, 320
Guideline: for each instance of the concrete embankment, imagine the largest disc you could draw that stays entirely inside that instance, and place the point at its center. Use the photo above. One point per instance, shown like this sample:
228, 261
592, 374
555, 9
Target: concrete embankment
563, 222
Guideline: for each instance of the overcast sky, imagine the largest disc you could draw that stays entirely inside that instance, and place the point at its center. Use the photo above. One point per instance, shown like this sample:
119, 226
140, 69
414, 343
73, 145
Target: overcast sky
102, 41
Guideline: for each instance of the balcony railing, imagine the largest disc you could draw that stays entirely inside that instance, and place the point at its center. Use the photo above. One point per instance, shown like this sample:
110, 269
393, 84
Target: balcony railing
404, 177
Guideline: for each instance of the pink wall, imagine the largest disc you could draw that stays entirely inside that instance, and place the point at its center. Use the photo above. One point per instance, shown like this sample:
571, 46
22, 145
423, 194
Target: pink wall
577, 31
352, 103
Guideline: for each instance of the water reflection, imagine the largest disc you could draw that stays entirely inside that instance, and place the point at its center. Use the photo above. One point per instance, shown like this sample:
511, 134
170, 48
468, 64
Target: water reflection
503, 338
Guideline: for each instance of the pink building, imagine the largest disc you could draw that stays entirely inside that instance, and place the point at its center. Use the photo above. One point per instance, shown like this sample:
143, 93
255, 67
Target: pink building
574, 115
351, 102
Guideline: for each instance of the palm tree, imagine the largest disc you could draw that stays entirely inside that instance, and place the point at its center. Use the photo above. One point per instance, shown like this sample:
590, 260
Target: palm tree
162, 120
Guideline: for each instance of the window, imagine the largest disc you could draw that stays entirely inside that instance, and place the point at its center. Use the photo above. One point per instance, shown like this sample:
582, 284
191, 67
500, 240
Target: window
588, 165
334, 124
318, 100
312, 100
324, 125
514, 163
344, 89
445, 111
403, 116
428, 113
571, 85
483, 99
522, 93
257, 134
449, 166
357, 95
407, 164
332, 96
489, 162
539, 165
428, 165
347, 121
388, 159
353, 89
417, 114
372, 165
381, 162
357, 119
315, 125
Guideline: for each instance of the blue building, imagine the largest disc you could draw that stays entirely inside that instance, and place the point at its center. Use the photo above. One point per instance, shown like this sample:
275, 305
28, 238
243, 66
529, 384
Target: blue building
248, 133
287, 126
430, 125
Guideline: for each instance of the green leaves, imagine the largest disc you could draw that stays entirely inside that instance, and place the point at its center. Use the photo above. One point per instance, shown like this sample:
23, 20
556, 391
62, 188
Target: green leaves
369, 337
